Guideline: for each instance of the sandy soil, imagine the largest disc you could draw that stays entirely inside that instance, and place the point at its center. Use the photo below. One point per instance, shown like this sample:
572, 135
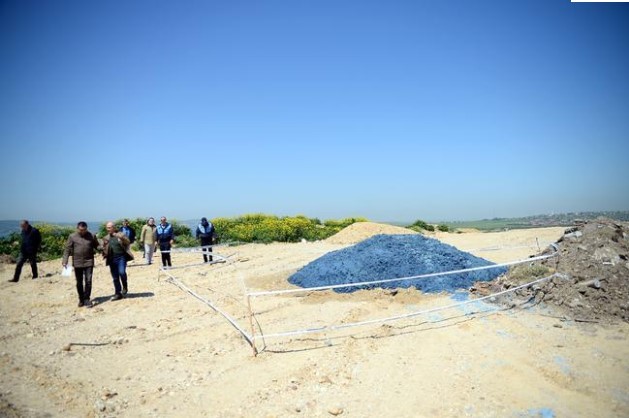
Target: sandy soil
161, 352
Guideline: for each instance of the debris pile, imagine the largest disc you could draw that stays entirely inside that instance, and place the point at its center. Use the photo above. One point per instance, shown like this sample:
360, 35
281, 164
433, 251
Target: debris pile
383, 257
592, 274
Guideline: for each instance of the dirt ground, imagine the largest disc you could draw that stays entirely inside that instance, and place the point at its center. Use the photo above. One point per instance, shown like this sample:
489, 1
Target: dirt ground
161, 352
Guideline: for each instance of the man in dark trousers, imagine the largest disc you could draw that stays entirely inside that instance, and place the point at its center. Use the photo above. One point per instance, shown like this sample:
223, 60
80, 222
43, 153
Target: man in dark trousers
115, 249
165, 238
205, 233
81, 245
31, 240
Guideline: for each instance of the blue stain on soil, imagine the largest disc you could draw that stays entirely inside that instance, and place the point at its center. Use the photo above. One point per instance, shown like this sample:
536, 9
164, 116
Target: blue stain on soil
503, 333
435, 317
620, 395
460, 296
384, 257
474, 307
562, 363
540, 413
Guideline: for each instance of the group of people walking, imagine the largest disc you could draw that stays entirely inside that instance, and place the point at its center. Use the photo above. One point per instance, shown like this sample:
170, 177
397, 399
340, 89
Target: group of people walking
82, 245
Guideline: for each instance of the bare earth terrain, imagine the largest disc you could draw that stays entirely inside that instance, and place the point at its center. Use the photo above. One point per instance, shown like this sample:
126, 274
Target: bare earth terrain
161, 352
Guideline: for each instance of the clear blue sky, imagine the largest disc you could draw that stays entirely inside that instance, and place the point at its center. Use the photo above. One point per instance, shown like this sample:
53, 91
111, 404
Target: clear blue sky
391, 110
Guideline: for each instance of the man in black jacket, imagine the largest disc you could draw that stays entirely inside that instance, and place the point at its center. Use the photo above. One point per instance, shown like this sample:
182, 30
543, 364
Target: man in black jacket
31, 240
205, 234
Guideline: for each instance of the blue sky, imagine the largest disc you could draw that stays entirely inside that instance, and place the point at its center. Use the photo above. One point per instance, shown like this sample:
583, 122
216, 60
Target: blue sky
390, 110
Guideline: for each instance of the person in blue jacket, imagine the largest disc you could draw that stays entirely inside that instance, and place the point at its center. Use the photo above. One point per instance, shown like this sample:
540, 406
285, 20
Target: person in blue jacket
205, 234
165, 238
128, 231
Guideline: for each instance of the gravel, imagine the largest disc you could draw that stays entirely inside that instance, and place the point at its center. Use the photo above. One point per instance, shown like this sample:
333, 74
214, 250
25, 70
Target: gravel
395, 256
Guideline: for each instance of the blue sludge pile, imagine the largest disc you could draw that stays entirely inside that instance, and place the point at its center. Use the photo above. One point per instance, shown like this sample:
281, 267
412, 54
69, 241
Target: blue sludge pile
395, 256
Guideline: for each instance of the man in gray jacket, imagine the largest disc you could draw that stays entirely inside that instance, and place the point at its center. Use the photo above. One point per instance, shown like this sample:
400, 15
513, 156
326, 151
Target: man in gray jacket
82, 245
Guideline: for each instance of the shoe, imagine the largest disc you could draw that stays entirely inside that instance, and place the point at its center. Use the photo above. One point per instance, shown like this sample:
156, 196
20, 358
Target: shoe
125, 290
36, 277
87, 303
81, 304
14, 280
117, 296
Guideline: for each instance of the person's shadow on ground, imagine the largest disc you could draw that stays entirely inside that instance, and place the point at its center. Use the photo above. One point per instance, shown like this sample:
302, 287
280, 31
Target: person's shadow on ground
102, 299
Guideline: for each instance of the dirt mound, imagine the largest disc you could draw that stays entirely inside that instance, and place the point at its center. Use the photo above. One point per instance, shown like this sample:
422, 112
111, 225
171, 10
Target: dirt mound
592, 283
360, 231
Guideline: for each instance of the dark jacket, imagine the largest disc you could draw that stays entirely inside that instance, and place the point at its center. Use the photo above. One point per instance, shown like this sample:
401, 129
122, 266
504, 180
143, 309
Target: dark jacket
206, 233
81, 248
129, 232
165, 233
31, 240
107, 249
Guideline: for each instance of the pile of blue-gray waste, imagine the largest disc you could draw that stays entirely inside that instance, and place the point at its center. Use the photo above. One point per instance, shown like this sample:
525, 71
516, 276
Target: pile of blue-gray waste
383, 257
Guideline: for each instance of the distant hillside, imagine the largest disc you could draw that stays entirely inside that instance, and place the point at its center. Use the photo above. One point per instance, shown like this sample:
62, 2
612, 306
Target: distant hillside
537, 221
560, 219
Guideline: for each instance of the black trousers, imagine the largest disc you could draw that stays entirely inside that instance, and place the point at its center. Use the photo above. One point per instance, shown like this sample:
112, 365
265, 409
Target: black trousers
165, 255
83, 277
207, 252
21, 259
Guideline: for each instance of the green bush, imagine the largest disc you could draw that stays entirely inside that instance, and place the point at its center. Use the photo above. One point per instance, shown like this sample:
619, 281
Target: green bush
443, 228
270, 228
10, 245
186, 241
54, 240
342, 223
180, 230
419, 226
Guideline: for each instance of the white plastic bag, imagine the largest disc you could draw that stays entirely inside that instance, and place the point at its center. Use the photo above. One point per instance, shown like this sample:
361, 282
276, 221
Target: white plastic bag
66, 271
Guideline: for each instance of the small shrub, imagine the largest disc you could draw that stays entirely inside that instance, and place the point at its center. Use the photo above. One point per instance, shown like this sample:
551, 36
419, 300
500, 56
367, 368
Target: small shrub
419, 226
54, 240
186, 241
10, 245
528, 273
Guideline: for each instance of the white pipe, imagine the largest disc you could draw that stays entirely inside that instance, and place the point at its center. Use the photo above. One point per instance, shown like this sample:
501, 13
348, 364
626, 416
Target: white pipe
421, 276
391, 318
